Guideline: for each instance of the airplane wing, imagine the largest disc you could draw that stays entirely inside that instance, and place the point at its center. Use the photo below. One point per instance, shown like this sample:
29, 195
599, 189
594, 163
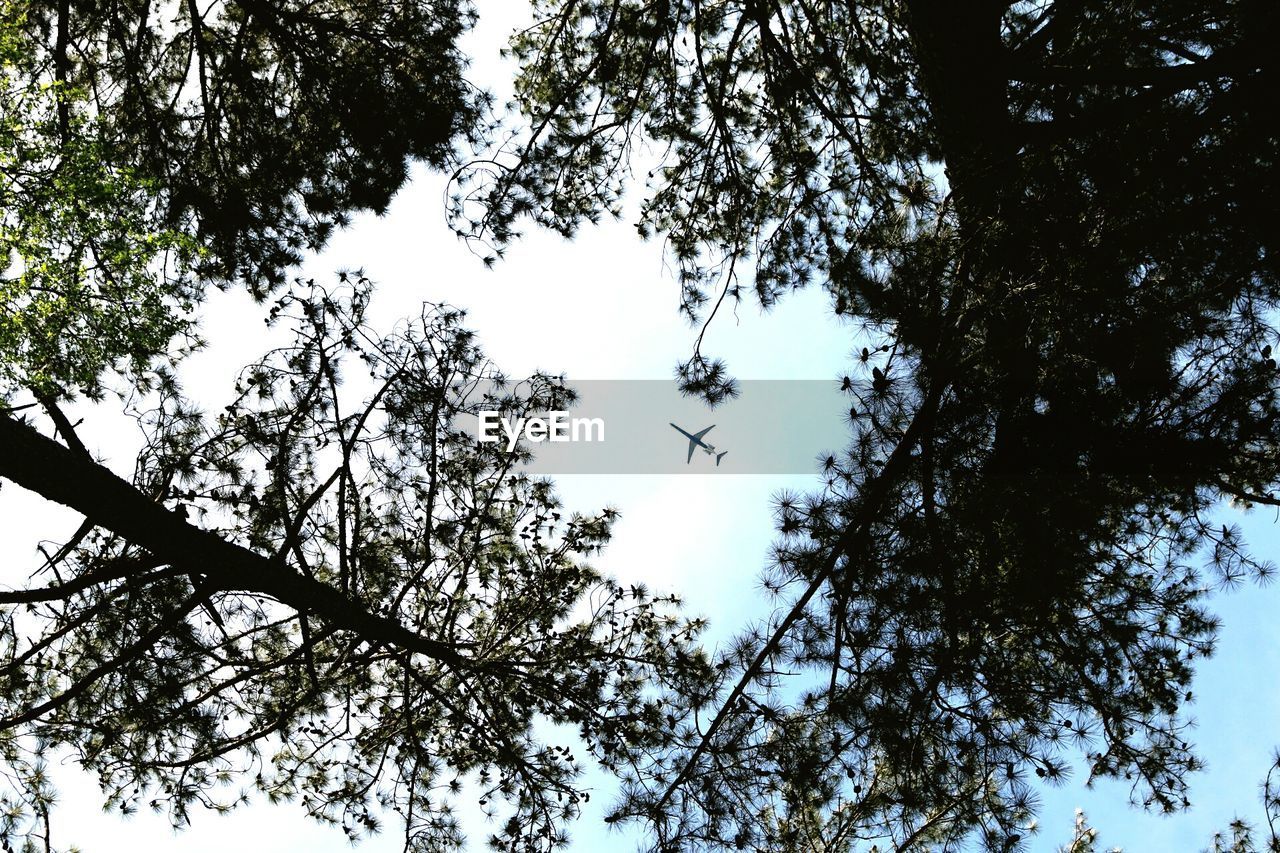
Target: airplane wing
695, 440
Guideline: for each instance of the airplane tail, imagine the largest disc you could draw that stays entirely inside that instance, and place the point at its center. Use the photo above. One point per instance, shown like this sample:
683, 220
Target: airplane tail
720, 456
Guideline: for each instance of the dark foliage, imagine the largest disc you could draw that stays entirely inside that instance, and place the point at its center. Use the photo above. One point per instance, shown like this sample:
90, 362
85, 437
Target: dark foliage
349, 602
1053, 224
328, 591
261, 124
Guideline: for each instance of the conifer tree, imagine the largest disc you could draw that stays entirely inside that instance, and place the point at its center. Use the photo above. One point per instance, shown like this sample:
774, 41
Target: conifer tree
1050, 225
325, 592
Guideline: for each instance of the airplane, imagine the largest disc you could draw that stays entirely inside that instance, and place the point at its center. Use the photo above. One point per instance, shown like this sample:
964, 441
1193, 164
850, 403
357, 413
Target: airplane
695, 441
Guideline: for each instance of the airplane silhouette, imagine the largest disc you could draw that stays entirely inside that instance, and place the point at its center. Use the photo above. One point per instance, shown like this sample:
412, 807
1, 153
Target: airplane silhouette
695, 441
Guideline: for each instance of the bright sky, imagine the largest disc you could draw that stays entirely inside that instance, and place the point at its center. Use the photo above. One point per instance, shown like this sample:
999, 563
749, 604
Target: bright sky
604, 307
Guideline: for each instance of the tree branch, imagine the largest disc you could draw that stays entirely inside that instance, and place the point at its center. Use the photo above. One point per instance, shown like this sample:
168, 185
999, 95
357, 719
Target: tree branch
1167, 78
40, 464
850, 542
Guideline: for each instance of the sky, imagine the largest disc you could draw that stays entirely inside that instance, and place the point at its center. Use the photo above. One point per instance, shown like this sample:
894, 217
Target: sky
604, 306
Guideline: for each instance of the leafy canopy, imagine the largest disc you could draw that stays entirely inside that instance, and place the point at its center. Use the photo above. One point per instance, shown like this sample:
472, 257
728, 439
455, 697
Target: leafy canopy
263, 124
90, 276
376, 612
150, 149
1050, 223
327, 591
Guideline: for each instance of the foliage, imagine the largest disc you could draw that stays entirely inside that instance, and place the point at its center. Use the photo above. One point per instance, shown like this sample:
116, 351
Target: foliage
261, 125
1050, 223
91, 278
421, 615
313, 595
149, 149
1084, 839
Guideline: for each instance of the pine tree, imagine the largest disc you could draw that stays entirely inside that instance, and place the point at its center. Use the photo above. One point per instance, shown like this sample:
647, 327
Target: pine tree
327, 591
1051, 225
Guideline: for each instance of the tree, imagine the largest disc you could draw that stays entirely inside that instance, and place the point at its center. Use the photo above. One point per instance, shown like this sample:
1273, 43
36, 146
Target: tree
150, 150
326, 591
259, 124
91, 278
358, 606
1050, 222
